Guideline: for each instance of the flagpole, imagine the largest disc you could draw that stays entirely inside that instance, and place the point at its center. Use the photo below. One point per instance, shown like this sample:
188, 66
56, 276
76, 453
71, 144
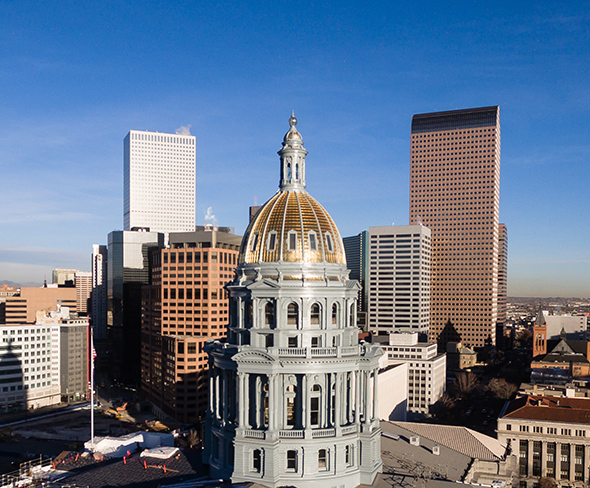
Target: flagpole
92, 389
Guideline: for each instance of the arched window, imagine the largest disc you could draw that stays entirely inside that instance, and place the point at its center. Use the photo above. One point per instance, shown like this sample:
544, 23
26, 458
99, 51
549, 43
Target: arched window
315, 314
291, 397
334, 314
269, 314
292, 314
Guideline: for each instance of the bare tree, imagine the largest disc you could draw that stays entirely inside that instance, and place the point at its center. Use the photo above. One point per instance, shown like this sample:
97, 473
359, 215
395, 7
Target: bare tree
547, 483
465, 383
502, 388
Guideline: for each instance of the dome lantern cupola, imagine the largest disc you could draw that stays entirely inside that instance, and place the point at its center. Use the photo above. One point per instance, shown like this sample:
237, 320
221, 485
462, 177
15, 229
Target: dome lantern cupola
292, 159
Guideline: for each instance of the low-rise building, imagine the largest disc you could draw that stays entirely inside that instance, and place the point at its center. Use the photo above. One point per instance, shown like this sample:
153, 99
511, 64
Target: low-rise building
459, 356
551, 437
426, 369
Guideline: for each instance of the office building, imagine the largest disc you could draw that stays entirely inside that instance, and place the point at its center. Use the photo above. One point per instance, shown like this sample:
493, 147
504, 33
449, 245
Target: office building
83, 281
399, 280
293, 397
502, 278
551, 437
44, 362
427, 369
159, 181
127, 271
455, 191
64, 276
183, 307
22, 308
356, 249
99, 291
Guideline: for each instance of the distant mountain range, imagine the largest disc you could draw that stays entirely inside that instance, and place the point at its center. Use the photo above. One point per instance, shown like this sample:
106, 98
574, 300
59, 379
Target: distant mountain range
19, 285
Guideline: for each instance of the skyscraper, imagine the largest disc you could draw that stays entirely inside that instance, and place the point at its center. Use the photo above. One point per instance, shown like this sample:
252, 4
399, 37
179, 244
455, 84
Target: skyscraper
356, 249
399, 280
455, 191
159, 181
183, 307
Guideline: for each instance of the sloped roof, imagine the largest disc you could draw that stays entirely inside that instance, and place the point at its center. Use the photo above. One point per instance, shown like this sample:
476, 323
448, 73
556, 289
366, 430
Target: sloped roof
460, 439
549, 409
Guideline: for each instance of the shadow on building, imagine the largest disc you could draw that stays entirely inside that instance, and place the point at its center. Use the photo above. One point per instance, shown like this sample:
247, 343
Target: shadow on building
13, 395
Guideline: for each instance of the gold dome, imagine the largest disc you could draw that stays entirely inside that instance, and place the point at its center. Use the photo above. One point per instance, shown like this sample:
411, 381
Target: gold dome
292, 227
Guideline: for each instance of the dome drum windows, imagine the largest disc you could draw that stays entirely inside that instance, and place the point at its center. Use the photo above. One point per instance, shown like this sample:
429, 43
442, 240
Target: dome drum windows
329, 242
292, 240
254, 242
271, 243
312, 240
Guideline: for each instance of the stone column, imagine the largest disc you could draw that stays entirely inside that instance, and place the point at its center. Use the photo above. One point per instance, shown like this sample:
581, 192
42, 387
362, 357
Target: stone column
241, 400
224, 386
530, 458
338, 398
212, 390
543, 458
357, 399
305, 406
272, 404
367, 378
376, 394
572, 476
558, 460
246, 400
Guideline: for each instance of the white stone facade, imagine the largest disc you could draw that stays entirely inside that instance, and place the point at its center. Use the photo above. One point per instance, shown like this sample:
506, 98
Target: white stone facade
159, 181
293, 395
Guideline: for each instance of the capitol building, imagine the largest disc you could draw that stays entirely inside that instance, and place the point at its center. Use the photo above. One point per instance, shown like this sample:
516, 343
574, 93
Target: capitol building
293, 395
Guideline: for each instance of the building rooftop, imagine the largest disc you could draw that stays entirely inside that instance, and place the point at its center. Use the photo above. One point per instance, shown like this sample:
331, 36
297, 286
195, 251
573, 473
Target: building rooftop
404, 463
548, 409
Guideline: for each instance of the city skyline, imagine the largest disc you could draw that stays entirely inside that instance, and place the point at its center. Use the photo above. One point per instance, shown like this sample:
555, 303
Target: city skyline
80, 77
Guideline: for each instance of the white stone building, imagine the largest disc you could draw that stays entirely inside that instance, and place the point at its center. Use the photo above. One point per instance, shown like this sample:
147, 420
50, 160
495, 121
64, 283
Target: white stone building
159, 181
293, 395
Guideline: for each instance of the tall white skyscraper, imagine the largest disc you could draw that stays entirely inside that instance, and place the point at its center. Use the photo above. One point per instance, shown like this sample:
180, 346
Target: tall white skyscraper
159, 181
399, 279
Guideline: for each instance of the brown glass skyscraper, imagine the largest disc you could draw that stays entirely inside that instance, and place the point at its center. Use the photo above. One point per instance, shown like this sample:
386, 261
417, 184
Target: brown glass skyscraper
455, 191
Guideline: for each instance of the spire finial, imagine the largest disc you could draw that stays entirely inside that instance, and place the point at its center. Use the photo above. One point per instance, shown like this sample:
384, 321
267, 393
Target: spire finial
292, 158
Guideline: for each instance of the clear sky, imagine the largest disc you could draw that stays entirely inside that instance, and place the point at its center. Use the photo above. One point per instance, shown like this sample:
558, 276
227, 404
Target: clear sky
76, 76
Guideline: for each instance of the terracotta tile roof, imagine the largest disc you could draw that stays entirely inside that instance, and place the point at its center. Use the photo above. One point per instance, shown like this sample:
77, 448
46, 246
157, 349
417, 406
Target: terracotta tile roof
550, 409
460, 439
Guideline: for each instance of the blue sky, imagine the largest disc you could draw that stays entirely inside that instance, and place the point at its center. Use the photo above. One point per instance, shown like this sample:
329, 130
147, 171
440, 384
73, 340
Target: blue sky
76, 76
